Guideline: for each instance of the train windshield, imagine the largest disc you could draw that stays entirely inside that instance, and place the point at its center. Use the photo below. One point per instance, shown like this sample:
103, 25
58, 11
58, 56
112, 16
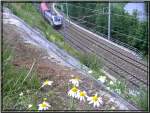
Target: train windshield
57, 18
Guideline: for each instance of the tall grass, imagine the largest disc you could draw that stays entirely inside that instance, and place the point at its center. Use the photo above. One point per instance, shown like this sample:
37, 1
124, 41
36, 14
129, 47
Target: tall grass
13, 85
93, 62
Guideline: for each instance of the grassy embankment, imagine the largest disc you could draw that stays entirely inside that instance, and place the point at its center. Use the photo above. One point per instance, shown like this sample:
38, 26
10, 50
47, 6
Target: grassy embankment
16, 81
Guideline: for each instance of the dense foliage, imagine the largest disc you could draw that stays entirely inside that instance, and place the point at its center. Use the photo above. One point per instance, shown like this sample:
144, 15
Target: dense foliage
125, 28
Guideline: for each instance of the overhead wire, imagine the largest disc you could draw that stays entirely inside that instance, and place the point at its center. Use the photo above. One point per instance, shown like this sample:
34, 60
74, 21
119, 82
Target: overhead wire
93, 10
97, 26
134, 37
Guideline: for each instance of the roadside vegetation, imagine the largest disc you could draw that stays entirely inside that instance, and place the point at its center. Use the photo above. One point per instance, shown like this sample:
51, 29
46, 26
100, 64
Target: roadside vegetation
17, 87
29, 14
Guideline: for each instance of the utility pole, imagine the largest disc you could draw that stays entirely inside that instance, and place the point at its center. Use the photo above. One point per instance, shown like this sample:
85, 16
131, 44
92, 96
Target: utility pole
109, 13
67, 12
64, 23
67, 9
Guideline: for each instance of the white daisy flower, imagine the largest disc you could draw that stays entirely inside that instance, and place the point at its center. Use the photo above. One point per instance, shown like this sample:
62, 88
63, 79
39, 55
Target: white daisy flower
112, 108
119, 82
72, 75
102, 79
28, 91
81, 95
118, 91
108, 88
133, 92
111, 83
30, 105
90, 71
95, 100
47, 82
44, 106
75, 81
21, 94
73, 92
112, 99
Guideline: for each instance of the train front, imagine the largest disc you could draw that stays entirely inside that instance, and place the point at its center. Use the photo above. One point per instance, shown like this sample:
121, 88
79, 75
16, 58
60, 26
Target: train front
57, 21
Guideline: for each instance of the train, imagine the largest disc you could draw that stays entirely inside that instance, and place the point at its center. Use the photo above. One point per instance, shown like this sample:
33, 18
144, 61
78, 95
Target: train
55, 20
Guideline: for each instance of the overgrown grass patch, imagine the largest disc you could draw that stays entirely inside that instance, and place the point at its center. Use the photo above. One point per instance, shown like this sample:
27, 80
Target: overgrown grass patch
13, 85
94, 63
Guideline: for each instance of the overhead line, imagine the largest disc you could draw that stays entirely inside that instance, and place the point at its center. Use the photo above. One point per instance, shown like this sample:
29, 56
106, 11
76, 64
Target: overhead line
101, 10
111, 29
85, 7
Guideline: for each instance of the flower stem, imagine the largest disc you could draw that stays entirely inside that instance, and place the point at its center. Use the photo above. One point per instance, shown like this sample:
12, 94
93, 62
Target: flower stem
72, 104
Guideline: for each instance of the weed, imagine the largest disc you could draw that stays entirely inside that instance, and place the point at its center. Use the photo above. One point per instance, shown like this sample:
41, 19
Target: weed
13, 85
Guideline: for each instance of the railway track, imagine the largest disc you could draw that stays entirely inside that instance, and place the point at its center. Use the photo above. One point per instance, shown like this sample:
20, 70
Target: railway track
84, 48
116, 63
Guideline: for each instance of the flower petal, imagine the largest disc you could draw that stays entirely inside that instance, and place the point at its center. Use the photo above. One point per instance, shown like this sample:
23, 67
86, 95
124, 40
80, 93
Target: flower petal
90, 102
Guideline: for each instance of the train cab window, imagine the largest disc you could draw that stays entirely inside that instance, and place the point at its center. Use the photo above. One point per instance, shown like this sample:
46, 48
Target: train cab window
57, 18
48, 10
